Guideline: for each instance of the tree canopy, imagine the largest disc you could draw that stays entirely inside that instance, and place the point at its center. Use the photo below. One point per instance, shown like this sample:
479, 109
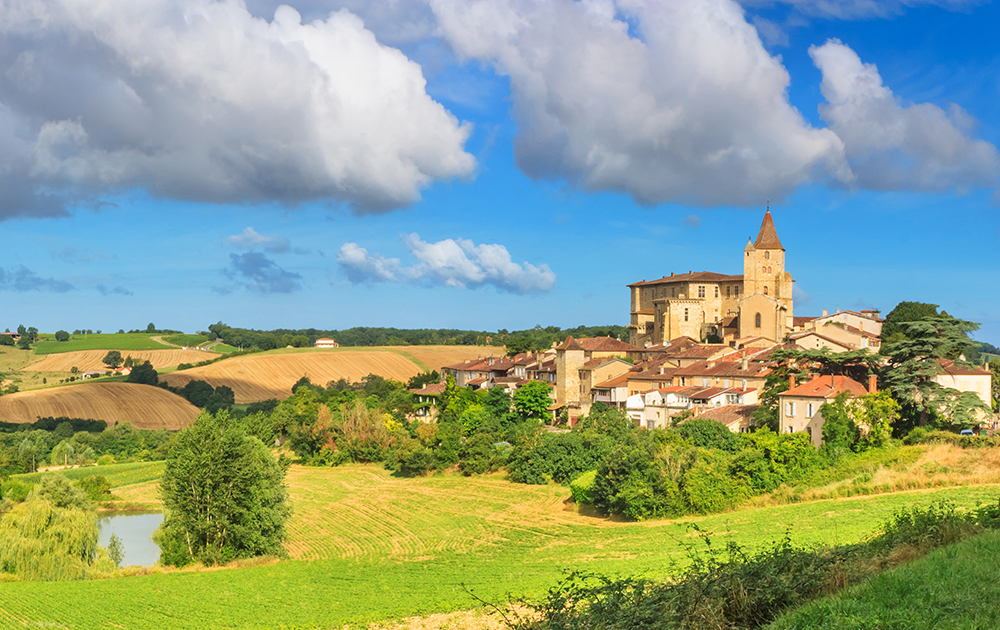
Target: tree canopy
224, 495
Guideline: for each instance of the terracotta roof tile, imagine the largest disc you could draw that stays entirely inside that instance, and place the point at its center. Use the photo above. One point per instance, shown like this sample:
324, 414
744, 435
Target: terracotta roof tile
730, 414
767, 238
827, 387
694, 276
606, 344
434, 389
953, 369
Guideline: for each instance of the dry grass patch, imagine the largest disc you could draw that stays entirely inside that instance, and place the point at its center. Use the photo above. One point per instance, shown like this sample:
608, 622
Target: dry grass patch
144, 406
92, 359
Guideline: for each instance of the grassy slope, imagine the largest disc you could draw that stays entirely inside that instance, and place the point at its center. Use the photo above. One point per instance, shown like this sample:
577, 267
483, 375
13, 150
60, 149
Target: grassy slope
383, 548
953, 587
116, 474
125, 341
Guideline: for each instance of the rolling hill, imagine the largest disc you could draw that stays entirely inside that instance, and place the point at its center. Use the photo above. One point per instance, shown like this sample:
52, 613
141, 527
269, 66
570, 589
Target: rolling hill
257, 377
144, 406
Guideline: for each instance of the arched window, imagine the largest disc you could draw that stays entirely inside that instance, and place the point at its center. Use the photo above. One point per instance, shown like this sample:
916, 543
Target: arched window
767, 255
756, 320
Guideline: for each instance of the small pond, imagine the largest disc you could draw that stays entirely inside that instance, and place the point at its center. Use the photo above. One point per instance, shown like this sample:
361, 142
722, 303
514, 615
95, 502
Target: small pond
135, 531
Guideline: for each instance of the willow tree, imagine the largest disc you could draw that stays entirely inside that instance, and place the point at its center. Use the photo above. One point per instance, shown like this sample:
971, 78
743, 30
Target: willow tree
223, 493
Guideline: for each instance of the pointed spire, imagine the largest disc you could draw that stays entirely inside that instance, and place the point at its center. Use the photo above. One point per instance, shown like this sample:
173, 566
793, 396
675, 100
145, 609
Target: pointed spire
570, 344
749, 247
767, 238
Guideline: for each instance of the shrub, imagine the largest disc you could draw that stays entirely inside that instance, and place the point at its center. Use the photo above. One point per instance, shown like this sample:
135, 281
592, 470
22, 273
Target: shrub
708, 486
480, 454
413, 459
105, 460
582, 486
97, 487
706, 433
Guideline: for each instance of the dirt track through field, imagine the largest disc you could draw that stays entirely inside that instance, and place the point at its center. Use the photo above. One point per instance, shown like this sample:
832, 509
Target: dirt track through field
92, 359
257, 377
144, 406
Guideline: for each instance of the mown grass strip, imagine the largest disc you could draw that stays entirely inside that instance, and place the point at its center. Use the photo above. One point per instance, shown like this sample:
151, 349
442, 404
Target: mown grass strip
116, 474
952, 587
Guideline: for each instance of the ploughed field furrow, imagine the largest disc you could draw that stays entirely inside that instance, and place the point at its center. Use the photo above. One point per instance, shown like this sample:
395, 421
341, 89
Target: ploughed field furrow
144, 406
85, 360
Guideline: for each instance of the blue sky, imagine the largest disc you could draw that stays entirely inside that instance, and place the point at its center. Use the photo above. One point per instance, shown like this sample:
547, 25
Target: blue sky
190, 161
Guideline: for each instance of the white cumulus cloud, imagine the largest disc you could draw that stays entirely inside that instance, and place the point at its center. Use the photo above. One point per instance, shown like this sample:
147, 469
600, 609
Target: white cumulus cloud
251, 238
891, 145
456, 263
199, 100
687, 107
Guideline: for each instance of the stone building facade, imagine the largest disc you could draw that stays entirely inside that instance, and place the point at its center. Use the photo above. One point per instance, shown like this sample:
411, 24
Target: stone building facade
707, 305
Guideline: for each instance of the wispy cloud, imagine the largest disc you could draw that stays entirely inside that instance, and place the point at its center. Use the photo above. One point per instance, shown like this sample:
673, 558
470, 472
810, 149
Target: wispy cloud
251, 239
456, 263
71, 254
23, 279
116, 290
260, 274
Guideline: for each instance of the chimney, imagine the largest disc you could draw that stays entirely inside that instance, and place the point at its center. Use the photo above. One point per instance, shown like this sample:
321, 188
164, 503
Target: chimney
791, 381
872, 384
824, 312
744, 364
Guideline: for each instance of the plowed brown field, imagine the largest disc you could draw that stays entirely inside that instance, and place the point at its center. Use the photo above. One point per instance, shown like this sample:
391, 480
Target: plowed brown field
257, 377
91, 359
146, 407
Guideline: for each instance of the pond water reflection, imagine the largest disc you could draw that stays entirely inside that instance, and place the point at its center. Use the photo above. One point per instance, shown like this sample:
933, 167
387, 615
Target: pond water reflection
135, 531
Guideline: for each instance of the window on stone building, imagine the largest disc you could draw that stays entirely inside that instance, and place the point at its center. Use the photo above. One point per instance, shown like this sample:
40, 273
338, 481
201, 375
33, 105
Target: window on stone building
767, 255
790, 409
756, 320
685, 314
701, 291
727, 291
716, 290
809, 410
736, 291
765, 289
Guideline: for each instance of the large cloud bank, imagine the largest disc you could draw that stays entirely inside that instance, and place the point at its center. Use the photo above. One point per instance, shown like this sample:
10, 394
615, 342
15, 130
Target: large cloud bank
662, 100
455, 263
198, 100
679, 101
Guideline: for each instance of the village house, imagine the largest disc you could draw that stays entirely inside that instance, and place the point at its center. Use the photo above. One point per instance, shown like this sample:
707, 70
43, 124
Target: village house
799, 407
326, 342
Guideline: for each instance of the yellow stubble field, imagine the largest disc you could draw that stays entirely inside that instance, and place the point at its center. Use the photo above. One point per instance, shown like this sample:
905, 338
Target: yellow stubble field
145, 406
257, 377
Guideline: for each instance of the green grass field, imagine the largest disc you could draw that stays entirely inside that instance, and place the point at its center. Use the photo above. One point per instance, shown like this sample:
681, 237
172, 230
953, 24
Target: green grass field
124, 341
952, 587
116, 474
370, 547
186, 340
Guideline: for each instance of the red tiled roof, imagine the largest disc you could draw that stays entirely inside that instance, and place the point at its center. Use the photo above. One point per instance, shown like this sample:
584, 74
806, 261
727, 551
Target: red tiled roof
699, 276
701, 351
767, 238
606, 344
807, 333
730, 414
434, 389
724, 369
802, 321
618, 381
953, 369
827, 387
569, 344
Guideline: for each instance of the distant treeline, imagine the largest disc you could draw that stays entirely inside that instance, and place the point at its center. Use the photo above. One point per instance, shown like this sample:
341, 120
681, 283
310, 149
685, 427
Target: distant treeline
535, 338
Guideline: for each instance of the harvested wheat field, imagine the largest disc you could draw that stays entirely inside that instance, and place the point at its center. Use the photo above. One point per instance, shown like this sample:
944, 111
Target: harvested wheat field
91, 359
259, 377
145, 406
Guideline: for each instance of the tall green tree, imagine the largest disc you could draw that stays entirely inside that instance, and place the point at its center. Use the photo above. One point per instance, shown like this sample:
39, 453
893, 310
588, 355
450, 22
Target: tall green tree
913, 364
531, 401
224, 495
112, 359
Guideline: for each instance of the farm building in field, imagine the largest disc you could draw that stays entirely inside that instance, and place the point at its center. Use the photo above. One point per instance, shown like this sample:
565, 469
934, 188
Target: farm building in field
325, 342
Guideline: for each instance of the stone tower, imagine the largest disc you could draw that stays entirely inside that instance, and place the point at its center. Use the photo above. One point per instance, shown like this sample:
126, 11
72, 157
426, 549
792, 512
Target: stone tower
766, 304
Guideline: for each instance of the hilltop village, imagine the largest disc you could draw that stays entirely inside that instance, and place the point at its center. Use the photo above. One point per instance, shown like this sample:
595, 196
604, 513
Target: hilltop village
700, 345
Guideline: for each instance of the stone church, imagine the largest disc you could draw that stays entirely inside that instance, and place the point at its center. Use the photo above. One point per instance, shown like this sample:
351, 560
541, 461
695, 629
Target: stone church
716, 307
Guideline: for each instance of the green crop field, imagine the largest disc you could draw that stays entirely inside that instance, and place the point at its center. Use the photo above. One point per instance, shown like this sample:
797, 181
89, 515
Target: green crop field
124, 341
186, 340
367, 546
116, 474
